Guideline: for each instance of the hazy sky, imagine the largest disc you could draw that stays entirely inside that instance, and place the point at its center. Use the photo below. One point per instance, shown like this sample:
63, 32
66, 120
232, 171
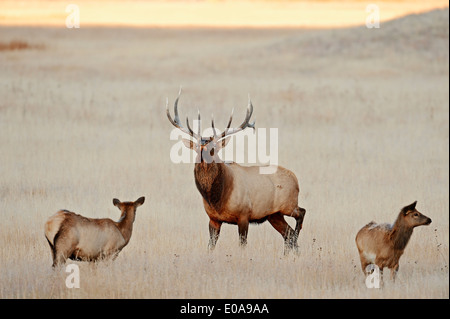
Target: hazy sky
206, 13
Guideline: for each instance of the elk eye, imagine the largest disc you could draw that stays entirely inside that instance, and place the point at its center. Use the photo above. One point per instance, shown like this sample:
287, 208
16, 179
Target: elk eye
416, 215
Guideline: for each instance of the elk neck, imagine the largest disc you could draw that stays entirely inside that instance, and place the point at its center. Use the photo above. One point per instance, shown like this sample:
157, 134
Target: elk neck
213, 182
400, 233
125, 223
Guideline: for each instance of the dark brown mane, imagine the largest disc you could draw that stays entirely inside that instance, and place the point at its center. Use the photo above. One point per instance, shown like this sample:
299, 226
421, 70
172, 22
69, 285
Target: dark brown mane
212, 183
400, 233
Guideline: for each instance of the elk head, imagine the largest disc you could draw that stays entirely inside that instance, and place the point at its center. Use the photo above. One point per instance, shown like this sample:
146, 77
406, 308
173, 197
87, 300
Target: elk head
128, 207
412, 217
207, 148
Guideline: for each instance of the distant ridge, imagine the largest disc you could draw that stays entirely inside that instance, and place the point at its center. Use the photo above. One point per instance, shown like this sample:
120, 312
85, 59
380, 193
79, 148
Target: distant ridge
427, 34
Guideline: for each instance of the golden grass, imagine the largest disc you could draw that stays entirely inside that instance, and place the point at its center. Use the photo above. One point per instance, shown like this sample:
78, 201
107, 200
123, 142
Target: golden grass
363, 123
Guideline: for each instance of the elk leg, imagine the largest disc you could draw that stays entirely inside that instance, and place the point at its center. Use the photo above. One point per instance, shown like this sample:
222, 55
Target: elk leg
243, 231
299, 221
60, 257
53, 250
381, 277
394, 271
58, 251
299, 214
380, 264
63, 247
278, 222
364, 263
214, 231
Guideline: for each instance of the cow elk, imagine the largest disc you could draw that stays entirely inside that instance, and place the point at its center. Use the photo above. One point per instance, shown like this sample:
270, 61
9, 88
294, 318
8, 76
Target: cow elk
89, 239
236, 194
384, 244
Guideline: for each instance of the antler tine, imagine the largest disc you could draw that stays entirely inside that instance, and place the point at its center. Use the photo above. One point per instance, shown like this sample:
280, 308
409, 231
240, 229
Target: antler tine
244, 124
168, 112
252, 125
176, 120
212, 125
249, 111
191, 131
231, 118
199, 135
224, 133
175, 108
248, 115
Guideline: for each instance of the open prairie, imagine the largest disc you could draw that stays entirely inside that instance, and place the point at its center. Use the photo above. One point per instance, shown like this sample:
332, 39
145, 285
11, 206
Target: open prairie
362, 117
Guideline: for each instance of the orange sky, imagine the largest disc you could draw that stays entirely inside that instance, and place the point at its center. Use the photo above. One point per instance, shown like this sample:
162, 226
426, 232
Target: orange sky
140, 13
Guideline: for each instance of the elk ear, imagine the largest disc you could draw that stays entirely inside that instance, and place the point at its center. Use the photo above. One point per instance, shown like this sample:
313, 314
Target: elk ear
140, 201
116, 202
222, 143
189, 144
409, 208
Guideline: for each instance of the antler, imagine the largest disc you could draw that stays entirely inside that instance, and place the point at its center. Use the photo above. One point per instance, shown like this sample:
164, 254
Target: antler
241, 127
228, 131
177, 123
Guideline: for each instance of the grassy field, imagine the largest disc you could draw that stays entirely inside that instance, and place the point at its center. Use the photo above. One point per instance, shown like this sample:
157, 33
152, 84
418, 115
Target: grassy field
362, 117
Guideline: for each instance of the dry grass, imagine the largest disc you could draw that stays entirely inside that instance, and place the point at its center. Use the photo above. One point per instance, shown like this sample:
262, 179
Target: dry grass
363, 122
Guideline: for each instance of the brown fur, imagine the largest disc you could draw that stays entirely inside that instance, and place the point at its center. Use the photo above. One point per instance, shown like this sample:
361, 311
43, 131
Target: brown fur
213, 183
90, 239
384, 244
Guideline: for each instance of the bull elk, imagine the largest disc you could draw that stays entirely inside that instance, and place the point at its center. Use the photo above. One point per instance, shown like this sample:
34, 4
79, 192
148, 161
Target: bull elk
236, 194
89, 239
384, 244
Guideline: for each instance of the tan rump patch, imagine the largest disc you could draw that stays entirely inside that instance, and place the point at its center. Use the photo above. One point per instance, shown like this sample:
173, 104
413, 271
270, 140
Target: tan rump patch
53, 224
